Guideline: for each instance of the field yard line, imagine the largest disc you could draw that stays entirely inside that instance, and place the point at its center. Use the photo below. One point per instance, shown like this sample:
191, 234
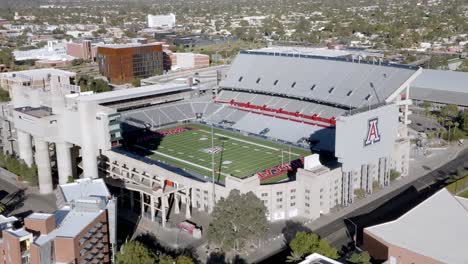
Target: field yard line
181, 160
241, 140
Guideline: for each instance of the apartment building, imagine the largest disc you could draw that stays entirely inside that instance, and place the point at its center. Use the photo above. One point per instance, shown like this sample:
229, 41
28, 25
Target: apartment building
81, 231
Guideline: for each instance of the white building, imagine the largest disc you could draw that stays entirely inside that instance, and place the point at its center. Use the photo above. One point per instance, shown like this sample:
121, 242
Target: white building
162, 21
54, 50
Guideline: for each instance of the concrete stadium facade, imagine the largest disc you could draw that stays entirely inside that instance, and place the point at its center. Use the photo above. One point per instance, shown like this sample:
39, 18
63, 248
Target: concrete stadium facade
71, 124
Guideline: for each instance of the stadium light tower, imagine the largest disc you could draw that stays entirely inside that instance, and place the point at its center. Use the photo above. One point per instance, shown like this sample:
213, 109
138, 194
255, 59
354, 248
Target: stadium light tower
213, 164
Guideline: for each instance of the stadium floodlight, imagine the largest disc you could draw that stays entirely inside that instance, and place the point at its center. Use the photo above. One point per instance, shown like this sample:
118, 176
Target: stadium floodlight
212, 164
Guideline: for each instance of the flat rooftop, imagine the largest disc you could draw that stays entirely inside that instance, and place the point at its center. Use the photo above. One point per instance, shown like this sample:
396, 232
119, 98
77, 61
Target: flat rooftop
130, 45
326, 52
75, 221
84, 188
19, 232
37, 74
6, 220
38, 112
133, 93
40, 216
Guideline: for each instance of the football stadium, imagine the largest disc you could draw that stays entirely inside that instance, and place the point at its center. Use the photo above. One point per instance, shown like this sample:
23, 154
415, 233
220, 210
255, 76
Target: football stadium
303, 132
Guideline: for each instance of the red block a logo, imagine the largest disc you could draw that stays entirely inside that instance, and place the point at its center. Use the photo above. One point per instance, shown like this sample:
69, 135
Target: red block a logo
373, 134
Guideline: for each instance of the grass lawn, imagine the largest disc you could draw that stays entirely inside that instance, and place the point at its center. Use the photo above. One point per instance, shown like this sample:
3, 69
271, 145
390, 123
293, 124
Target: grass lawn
236, 155
464, 194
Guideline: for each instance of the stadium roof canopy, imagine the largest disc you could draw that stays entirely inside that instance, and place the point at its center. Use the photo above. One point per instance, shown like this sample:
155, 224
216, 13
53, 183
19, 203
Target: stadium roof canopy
134, 93
436, 228
326, 52
336, 81
447, 87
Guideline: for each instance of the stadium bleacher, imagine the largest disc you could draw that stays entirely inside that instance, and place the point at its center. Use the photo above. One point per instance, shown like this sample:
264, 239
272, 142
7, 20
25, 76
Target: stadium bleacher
331, 81
300, 97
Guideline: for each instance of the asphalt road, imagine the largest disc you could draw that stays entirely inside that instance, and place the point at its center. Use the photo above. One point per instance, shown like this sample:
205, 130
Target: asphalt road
22, 202
384, 209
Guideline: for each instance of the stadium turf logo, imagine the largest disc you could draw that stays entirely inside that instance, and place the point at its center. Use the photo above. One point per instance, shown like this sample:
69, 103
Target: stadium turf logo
373, 134
213, 150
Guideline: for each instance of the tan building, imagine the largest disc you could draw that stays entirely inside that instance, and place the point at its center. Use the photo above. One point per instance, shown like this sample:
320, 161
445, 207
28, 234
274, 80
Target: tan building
184, 61
79, 232
432, 232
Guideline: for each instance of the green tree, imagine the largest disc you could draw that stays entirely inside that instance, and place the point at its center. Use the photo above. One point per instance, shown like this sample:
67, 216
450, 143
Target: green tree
427, 107
130, 34
77, 62
70, 179
136, 82
4, 95
360, 258
184, 260
166, 260
449, 111
238, 219
394, 174
308, 243
464, 119
87, 83
294, 257
2, 208
133, 252
6, 56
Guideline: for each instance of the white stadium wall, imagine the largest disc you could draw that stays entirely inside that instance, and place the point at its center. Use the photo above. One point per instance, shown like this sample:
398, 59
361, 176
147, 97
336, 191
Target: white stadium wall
365, 137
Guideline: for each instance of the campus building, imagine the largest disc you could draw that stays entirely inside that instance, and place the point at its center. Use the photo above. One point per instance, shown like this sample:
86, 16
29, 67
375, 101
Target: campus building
184, 61
37, 78
432, 232
123, 63
162, 21
348, 118
82, 231
84, 50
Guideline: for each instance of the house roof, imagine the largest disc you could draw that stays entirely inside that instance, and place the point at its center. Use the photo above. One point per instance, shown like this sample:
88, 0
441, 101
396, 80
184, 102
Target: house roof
436, 228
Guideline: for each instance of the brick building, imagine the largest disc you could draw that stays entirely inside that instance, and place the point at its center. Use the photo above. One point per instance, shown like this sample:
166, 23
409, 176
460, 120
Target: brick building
123, 63
84, 50
80, 232
433, 232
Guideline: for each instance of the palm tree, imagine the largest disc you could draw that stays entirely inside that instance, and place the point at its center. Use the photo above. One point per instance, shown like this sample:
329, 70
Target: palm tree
449, 123
2, 208
294, 257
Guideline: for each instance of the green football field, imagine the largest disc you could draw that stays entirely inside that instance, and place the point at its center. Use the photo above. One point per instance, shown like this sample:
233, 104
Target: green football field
189, 147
